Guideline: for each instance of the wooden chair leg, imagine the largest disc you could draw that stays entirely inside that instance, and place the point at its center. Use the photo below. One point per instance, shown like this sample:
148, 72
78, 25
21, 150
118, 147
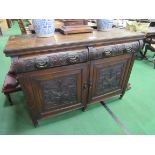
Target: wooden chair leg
9, 98
145, 51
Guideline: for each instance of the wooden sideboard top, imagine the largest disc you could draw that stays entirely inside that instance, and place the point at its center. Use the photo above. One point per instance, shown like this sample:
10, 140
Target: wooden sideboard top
23, 44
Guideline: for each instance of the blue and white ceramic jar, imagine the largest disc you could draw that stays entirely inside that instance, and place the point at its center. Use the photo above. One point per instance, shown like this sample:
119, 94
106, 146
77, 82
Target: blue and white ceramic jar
104, 24
44, 27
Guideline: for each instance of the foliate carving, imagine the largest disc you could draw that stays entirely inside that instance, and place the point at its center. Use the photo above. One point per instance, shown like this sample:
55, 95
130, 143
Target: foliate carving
109, 78
61, 91
74, 57
132, 47
113, 50
52, 60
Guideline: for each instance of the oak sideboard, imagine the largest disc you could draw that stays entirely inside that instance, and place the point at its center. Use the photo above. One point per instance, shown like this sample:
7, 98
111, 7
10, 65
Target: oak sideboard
67, 72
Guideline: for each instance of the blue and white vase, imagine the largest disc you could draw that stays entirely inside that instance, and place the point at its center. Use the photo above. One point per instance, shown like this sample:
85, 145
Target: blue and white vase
44, 27
104, 24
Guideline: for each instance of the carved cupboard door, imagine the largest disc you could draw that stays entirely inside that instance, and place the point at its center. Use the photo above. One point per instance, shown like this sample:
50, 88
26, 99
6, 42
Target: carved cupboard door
56, 90
108, 77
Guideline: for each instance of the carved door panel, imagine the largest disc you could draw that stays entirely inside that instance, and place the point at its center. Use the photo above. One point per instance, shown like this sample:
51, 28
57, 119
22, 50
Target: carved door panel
56, 90
108, 77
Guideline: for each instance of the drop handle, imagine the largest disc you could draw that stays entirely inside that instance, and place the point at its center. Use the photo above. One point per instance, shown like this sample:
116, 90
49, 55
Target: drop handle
73, 59
41, 63
107, 53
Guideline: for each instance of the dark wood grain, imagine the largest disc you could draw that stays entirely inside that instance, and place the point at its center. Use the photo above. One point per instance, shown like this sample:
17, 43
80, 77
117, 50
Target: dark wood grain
107, 76
55, 89
64, 73
20, 45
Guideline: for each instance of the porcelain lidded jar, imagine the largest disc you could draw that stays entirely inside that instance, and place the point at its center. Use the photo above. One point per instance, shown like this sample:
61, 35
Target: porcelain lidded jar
104, 24
44, 27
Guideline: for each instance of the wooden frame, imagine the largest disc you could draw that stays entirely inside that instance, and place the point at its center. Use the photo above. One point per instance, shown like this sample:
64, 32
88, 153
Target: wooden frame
52, 69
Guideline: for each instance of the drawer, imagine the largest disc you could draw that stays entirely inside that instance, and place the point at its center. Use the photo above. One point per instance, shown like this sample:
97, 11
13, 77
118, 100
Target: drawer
99, 52
29, 63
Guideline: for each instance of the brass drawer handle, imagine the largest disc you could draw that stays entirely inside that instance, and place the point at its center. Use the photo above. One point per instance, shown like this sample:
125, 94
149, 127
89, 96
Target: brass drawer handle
107, 53
73, 59
41, 63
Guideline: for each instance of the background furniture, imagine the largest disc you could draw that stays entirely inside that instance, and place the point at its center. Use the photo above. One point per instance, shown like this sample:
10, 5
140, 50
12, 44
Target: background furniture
64, 73
9, 22
149, 43
11, 84
3, 25
24, 29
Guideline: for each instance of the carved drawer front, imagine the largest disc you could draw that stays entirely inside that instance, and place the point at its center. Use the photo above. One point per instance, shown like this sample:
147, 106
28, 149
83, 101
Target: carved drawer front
108, 76
56, 89
27, 64
99, 52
